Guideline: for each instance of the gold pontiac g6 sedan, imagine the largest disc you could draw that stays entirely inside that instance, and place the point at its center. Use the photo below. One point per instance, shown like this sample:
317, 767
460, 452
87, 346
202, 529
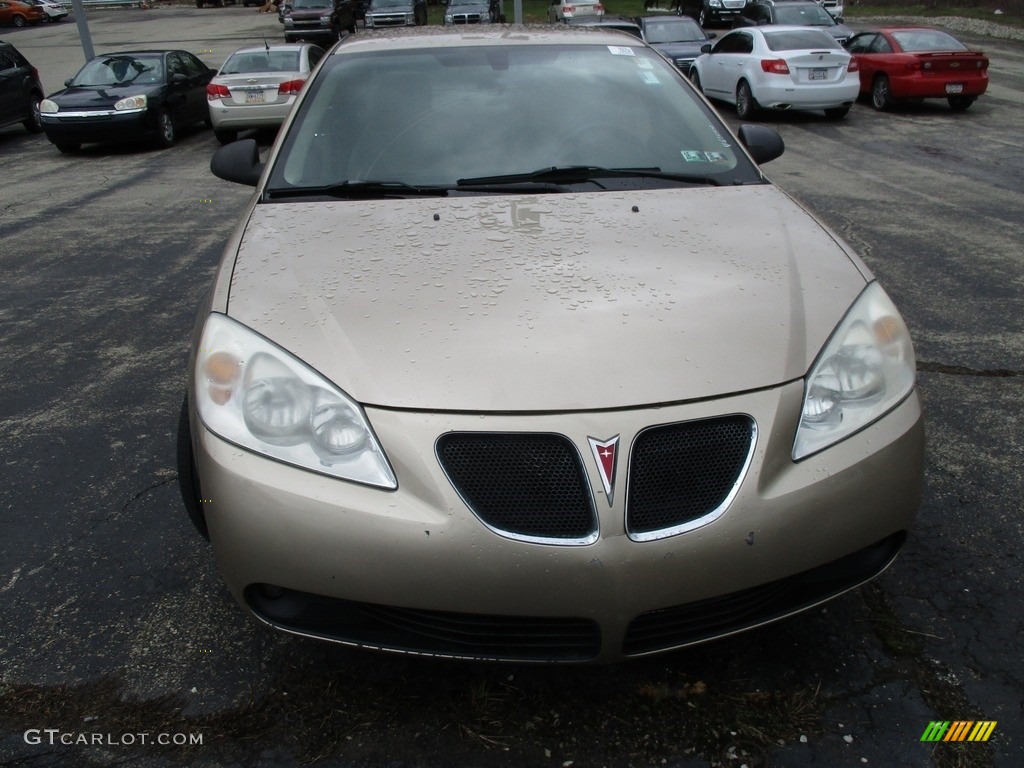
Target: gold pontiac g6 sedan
516, 354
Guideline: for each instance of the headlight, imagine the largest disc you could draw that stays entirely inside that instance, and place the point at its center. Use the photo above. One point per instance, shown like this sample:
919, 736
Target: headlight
715, 3
289, 21
132, 102
324, 19
864, 371
258, 396
449, 19
48, 107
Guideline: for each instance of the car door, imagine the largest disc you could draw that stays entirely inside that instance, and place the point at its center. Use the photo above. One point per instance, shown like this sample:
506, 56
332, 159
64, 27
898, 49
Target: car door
728, 58
10, 88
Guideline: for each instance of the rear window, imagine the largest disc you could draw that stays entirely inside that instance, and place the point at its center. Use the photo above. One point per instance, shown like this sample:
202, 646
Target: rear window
261, 61
924, 40
800, 40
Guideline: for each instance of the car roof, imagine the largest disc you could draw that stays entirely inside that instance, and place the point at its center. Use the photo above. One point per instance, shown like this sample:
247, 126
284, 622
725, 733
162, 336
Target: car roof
412, 38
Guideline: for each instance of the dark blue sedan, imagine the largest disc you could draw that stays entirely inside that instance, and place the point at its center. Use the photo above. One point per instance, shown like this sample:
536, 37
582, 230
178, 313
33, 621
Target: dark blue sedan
135, 95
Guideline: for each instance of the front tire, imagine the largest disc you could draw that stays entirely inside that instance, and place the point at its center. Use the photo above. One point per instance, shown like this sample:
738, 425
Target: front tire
188, 483
18, 20
165, 133
746, 104
960, 103
881, 96
34, 124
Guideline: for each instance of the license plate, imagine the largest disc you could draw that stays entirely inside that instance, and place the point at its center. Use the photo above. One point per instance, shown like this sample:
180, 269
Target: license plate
255, 97
818, 73
954, 88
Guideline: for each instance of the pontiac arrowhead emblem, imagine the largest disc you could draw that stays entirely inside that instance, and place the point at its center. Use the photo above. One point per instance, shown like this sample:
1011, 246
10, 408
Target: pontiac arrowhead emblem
605, 454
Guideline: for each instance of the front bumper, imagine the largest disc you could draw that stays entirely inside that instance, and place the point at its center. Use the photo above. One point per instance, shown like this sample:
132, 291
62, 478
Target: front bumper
99, 127
303, 552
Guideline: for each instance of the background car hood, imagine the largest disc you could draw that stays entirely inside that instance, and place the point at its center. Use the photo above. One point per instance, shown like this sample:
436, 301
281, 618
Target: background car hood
673, 50
101, 96
553, 302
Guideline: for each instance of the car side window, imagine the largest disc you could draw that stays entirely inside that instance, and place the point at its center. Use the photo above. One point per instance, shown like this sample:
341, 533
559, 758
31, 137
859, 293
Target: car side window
861, 43
193, 66
315, 54
880, 45
6, 62
725, 45
744, 44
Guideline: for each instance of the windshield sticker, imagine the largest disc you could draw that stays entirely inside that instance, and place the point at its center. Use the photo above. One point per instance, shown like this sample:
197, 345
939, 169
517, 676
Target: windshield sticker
650, 78
620, 50
716, 157
644, 64
692, 157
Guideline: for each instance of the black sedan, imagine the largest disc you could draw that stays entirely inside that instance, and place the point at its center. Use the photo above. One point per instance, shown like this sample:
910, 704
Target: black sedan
680, 38
128, 96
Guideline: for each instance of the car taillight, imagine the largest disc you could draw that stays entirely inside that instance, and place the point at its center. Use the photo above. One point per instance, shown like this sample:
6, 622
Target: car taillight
599, 8
775, 66
214, 91
290, 87
568, 9
854, 66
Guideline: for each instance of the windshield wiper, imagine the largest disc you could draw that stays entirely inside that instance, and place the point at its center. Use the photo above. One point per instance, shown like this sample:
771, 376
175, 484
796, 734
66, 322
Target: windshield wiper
361, 189
577, 174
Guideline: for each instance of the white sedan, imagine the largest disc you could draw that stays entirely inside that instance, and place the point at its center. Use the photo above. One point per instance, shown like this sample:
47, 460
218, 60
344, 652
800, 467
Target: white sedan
778, 68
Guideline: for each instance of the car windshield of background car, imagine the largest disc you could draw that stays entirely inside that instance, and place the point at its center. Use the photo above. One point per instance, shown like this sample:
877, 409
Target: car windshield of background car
261, 61
804, 16
117, 70
432, 116
924, 40
303, 4
674, 32
378, 4
800, 40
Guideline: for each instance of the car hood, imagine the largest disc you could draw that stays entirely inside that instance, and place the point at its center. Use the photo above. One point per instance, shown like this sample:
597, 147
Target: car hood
674, 50
553, 302
481, 8
101, 96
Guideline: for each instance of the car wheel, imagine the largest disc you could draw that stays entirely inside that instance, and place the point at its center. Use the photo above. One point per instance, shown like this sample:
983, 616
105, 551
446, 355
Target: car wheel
34, 124
746, 104
695, 79
18, 20
188, 483
837, 113
165, 135
225, 137
881, 96
69, 148
960, 103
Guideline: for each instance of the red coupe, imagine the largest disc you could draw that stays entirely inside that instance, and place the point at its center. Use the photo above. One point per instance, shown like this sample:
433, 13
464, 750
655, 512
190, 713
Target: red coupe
918, 63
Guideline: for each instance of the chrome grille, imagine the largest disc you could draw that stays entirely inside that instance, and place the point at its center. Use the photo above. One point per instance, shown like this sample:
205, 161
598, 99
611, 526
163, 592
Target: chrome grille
526, 486
682, 475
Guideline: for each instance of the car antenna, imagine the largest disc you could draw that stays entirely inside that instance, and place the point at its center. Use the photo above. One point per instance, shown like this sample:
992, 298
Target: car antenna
266, 45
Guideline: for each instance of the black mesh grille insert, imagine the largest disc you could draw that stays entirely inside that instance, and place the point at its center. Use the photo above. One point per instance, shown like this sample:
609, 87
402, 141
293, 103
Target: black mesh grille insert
681, 472
530, 485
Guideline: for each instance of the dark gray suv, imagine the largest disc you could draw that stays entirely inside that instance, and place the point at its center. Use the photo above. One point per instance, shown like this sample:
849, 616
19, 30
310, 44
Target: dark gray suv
317, 20
20, 90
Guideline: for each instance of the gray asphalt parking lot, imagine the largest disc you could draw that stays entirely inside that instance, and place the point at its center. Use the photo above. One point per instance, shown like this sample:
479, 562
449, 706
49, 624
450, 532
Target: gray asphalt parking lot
116, 624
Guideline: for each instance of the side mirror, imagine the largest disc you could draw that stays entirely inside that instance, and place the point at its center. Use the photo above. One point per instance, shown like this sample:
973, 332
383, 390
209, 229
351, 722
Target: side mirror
840, 19
68, 82
177, 77
711, 35
239, 162
763, 144
706, 48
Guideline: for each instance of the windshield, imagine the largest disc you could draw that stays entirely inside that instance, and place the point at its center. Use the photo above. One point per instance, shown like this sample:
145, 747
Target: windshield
377, 5
305, 4
433, 116
120, 70
804, 15
261, 60
681, 31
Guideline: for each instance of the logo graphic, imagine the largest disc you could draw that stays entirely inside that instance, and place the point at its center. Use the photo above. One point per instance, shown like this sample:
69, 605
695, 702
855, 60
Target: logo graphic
959, 730
605, 453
